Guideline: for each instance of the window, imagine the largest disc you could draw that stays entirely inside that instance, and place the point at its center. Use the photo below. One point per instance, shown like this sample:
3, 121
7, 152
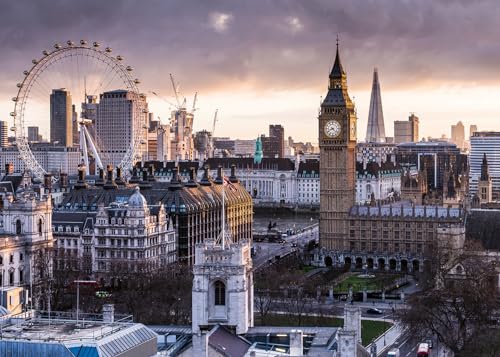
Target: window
21, 276
352, 233
11, 258
408, 235
40, 227
11, 278
220, 293
21, 256
18, 226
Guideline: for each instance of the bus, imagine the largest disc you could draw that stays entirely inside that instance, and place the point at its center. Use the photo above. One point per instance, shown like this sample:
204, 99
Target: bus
423, 350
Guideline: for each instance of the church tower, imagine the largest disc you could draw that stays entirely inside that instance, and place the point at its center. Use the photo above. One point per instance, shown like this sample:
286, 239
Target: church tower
222, 284
484, 185
337, 143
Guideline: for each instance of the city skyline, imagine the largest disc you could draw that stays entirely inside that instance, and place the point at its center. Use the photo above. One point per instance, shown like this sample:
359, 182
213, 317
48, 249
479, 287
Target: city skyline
274, 73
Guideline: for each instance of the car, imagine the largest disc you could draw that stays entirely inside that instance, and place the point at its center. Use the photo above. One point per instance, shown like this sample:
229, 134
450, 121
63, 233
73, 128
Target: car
374, 310
294, 245
429, 342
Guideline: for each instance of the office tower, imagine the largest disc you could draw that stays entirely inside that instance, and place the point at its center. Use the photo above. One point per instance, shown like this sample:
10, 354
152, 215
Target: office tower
61, 118
375, 132
4, 134
472, 129
278, 133
118, 117
33, 134
458, 135
406, 131
163, 146
481, 143
74, 120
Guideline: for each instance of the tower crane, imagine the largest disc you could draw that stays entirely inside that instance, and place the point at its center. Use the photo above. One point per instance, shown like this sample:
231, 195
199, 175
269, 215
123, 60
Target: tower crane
176, 91
213, 132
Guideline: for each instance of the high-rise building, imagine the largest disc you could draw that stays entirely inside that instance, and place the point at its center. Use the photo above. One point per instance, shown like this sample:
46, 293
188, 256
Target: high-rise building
375, 132
33, 134
278, 132
337, 143
472, 129
163, 143
120, 114
406, 131
458, 135
61, 118
4, 134
481, 143
74, 120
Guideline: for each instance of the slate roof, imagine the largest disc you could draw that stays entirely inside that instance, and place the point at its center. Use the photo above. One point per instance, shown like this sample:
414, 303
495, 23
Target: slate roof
267, 163
227, 343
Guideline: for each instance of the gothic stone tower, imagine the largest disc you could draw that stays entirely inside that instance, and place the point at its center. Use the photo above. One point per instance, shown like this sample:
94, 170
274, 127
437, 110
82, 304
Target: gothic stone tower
222, 286
337, 142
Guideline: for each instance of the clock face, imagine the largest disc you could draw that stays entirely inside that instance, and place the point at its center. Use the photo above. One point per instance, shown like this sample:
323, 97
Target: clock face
332, 128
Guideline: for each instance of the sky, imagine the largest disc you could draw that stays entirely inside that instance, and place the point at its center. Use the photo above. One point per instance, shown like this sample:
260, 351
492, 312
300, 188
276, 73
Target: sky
264, 62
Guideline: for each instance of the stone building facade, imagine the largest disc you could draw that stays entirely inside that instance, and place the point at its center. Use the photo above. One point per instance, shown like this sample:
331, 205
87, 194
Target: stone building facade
397, 236
193, 207
26, 237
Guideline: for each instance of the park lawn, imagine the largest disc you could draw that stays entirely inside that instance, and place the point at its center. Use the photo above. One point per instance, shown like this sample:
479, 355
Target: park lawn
358, 284
369, 329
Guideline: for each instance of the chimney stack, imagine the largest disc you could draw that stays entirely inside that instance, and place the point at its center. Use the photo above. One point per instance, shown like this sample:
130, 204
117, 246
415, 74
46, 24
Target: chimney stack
47, 182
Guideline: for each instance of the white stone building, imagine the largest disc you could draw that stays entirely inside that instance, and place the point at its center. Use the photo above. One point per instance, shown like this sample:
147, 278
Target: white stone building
130, 232
51, 158
25, 230
384, 181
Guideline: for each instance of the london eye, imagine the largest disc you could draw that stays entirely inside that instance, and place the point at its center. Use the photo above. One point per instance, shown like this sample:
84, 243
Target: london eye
82, 71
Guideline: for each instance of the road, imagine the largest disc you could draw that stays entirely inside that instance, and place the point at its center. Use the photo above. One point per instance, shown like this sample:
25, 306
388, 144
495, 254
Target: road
264, 252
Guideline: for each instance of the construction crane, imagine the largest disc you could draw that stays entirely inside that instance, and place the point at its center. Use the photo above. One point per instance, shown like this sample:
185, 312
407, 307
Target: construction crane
194, 102
176, 91
162, 98
213, 132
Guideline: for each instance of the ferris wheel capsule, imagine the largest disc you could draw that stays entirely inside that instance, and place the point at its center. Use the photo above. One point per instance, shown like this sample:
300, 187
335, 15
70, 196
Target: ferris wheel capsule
26, 72
45, 52
83, 42
137, 81
96, 44
119, 58
109, 49
70, 43
13, 114
19, 85
13, 128
14, 99
57, 46
129, 68
34, 61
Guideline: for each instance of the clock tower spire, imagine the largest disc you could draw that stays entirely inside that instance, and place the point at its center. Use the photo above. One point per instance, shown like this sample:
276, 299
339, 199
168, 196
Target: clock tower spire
337, 142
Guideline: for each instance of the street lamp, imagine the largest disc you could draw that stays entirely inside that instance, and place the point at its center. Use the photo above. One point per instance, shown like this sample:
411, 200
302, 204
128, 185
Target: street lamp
78, 282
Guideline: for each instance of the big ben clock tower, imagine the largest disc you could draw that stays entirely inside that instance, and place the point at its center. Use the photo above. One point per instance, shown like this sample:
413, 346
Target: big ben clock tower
337, 143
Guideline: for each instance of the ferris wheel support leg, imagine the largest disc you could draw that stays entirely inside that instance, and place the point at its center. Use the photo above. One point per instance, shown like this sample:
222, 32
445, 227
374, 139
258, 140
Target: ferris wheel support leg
83, 147
94, 149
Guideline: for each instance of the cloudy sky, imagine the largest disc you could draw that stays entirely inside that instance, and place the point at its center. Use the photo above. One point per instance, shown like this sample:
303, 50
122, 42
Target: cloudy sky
266, 62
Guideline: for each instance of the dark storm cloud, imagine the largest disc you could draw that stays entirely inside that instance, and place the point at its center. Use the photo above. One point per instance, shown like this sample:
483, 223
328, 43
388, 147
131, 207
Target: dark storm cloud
265, 44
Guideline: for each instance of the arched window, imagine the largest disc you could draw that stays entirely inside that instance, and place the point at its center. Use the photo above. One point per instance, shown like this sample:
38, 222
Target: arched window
18, 226
40, 227
220, 293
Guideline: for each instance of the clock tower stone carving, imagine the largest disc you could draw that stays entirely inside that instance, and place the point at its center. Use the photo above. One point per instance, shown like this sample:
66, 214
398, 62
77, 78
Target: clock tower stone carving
337, 143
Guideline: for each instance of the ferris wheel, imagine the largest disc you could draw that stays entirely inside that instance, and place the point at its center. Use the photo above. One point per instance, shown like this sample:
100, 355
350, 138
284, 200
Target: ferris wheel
82, 72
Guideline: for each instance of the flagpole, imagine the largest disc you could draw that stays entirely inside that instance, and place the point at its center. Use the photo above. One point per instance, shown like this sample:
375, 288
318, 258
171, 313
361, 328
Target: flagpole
223, 215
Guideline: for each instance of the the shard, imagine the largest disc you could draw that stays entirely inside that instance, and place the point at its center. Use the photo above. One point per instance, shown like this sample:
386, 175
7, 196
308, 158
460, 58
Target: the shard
375, 132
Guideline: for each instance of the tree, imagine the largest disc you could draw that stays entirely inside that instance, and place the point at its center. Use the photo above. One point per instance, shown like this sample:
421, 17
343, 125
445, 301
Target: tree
458, 311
